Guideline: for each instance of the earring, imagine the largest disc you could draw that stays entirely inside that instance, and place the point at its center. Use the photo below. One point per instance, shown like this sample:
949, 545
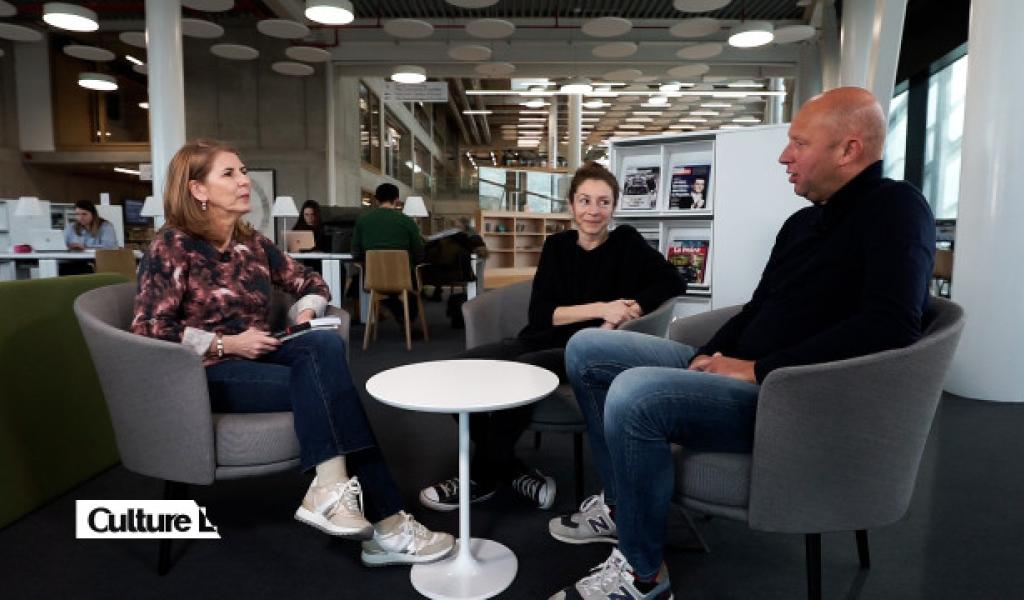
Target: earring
203, 205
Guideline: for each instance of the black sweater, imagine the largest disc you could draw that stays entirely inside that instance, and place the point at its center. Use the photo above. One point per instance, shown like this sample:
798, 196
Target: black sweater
624, 266
845, 279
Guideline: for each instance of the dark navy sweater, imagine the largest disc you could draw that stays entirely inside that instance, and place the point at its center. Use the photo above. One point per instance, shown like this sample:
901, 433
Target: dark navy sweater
844, 279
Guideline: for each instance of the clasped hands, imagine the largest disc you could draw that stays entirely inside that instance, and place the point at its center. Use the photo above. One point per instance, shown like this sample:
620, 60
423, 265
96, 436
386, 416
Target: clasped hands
719, 364
617, 312
254, 343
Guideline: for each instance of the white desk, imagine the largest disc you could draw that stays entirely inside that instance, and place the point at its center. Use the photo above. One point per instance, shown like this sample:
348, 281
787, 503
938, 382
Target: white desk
330, 268
47, 261
481, 568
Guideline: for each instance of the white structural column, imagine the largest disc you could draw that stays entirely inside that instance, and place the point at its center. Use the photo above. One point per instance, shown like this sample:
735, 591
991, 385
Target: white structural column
773, 108
829, 46
166, 86
809, 75
553, 134
870, 46
989, 249
572, 154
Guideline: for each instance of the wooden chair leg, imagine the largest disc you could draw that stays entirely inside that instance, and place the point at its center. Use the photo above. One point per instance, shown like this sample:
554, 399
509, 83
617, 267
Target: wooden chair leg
812, 541
577, 457
375, 307
408, 326
863, 552
369, 321
423, 316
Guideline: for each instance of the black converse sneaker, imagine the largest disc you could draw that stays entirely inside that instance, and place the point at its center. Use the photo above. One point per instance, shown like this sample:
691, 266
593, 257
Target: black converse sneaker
444, 496
536, 487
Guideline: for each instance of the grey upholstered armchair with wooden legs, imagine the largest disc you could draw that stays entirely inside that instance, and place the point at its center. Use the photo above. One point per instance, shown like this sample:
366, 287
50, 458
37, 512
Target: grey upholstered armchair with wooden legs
837, 445
160, 408
502, 313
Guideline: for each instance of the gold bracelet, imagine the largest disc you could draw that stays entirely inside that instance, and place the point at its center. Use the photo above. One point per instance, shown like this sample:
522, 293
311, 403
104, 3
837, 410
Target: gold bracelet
220, 346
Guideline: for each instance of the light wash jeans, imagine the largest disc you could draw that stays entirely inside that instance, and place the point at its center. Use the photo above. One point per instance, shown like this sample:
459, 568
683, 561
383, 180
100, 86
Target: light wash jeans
638, 399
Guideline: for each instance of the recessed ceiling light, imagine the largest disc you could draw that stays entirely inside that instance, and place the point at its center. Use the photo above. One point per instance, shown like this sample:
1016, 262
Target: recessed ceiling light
535, 103
70, 16
577, 86
408, 74
595, 104
715, 105
751, 34
97, 81
704, 113
746, 84
746, 120
330, 12
657, 100
541, 119
693, 120
144, 105
477, 112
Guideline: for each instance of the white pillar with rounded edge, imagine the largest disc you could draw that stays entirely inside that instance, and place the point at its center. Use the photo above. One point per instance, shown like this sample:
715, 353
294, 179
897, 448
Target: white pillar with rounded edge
773, 109
553, 134
870, 46
989, 251
166, 87
573, 153
809, 74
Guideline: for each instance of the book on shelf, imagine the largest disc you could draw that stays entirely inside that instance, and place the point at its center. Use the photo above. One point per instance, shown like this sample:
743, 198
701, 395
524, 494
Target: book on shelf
640, 188
293, 331
690, 258
689, 187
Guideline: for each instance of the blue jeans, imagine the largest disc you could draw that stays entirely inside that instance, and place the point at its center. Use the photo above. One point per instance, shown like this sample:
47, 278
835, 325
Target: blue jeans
309, 376
638, 399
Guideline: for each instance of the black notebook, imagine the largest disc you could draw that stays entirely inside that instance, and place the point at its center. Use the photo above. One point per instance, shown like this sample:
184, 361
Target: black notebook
310, 325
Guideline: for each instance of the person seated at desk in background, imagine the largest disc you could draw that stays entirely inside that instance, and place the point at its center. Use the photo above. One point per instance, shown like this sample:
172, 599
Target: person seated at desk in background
386, 228
205, 283
310, 220
587, 277
87, 232
824, 296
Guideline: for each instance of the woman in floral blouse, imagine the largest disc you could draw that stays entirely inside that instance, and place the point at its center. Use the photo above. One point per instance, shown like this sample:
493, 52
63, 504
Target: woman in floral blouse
205, 283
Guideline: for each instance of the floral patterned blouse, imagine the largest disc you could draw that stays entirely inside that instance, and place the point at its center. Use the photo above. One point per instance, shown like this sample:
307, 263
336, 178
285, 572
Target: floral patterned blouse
189, 291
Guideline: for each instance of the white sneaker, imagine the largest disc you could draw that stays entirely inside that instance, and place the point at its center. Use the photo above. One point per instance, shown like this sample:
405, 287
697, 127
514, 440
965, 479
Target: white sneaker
408, 543
593, 523
336, 509
614, 580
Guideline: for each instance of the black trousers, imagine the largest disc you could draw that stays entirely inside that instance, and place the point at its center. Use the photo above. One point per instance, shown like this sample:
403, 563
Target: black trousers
495, 434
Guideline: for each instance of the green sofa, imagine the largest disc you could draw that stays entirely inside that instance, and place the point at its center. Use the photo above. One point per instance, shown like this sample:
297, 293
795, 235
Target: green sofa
54, 428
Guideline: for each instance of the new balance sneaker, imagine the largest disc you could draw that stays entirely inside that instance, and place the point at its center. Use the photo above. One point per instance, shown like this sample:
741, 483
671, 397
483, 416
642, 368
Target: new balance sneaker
336, 509
536, 487
593, 523
614, 580
444, 496
408, 543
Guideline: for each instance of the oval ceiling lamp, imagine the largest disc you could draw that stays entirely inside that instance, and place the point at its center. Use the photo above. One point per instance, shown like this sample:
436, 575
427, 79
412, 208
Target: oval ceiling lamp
794, 33
410, 29
330, 12
699, 6
7, 9
751, 34
133, 38
472, 3
696, 27
470, 52
307, 54
99, 82
90, 53
70, 16
408, 74
579, 85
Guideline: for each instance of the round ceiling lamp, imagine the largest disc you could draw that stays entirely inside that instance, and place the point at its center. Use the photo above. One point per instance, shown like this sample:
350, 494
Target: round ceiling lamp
19, 33
470, 52
198, 28
7, 9
209, 5
330, 12
284, 29
490, 29
688, 71
580, 85
70, 16
410, 29
794, 33
700, 51
698, 6
623, 75
99, 82
307, 54
751, 34
91, 53
495, 69
615, 50
472, 3
695, 28
607, 27
133, 38
141, 69
293, 69
235, 51
408, 74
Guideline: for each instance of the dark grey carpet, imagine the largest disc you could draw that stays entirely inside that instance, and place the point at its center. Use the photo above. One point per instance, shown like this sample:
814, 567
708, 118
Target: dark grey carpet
962, 538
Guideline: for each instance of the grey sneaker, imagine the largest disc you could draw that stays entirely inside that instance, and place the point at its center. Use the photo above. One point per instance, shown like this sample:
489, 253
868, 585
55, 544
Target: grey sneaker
613, 580
410, 542
593, 523
536, 487
336, 509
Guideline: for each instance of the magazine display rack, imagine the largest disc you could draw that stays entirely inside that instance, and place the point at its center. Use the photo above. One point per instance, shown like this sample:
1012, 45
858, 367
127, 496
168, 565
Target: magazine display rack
712, 202
514, 241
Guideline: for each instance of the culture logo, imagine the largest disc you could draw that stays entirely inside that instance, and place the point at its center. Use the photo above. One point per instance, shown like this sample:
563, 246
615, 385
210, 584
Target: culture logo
142, 519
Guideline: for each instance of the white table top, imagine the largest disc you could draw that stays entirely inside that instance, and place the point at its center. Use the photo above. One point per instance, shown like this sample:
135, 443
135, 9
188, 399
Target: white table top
321, 255
55, 255
450, 386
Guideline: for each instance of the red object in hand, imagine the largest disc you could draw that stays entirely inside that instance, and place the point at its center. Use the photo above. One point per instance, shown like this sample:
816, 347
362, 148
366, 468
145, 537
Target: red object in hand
22, 249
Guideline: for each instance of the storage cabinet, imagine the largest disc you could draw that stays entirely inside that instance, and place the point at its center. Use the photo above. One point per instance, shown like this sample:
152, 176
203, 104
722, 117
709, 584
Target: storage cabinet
514, 242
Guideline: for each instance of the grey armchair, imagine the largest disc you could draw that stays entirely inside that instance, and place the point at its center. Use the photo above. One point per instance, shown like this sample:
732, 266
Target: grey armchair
837, 445
160, 409
502, 313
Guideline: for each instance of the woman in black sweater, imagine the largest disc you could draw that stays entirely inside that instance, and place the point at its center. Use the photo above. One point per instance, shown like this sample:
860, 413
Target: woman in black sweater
586, 277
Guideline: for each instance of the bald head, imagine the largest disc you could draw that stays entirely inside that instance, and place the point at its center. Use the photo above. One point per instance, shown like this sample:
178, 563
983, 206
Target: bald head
834, 137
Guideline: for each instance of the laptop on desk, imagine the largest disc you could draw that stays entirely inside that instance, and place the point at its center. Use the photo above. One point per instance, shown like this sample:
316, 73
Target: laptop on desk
299, 241
47, 240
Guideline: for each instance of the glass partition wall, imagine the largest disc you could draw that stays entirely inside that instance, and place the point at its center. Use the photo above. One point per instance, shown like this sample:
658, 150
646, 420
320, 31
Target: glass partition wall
523, 190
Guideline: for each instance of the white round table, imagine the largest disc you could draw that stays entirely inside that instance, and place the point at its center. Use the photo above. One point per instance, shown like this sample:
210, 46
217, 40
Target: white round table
481, 568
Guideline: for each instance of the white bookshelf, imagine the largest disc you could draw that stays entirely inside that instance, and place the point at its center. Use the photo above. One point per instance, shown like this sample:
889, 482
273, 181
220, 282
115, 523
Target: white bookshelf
747, 199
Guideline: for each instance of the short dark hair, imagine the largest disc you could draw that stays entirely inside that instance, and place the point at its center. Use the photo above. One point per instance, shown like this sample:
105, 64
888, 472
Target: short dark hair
593, 170
386, 192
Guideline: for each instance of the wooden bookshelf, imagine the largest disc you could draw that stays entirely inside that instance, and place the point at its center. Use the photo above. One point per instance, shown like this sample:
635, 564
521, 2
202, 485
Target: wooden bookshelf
514, 241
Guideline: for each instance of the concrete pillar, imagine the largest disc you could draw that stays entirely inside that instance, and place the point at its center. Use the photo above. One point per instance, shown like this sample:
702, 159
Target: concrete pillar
870, 46
166, 87
553, 134
773, 108
332, 179
572, 155
809, 75
989, 249
346, 164
829, 47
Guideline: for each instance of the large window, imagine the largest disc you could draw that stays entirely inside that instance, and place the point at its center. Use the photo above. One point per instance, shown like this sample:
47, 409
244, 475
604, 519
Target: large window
421, 168
895, 159
369, 126
398, 150
944, 132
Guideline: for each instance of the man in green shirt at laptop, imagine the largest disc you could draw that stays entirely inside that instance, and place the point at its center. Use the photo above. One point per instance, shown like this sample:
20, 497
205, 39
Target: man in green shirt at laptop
386, 228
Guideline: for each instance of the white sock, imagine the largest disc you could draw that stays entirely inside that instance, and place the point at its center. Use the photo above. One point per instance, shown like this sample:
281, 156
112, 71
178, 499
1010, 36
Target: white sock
332, 471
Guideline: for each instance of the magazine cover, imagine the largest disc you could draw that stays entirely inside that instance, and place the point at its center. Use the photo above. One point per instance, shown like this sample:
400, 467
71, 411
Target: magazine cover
690, 187
690, 257
640, 188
